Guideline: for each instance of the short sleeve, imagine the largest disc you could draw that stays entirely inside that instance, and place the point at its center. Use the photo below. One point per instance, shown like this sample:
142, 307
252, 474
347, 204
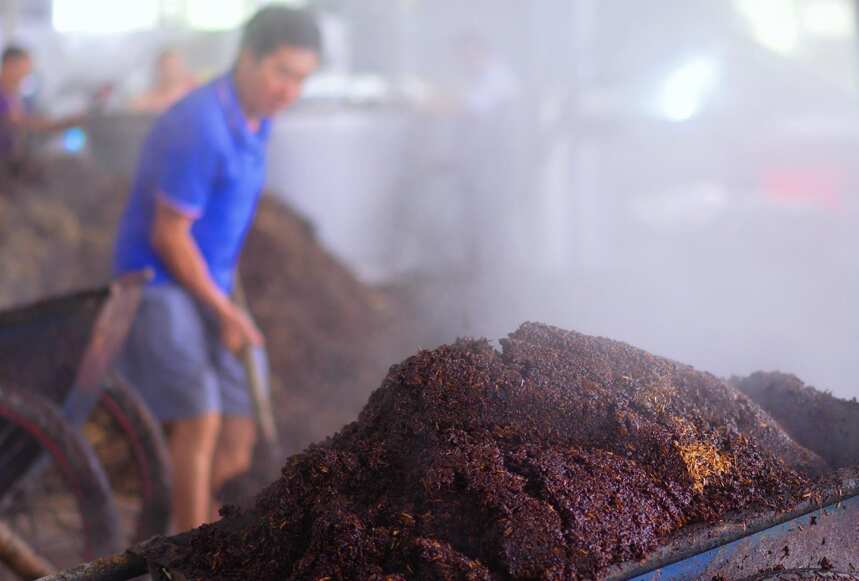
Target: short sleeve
188, 164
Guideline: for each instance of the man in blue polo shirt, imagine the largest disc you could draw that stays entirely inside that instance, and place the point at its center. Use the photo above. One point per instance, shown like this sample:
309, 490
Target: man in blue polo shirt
193, 199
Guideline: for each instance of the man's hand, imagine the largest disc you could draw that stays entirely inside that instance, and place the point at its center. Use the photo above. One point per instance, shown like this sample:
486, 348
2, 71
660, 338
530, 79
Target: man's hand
237, 329
171, 238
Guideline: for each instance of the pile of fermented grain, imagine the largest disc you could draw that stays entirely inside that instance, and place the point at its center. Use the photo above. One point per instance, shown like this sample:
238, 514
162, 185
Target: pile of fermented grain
554, 458
815, 419
55, 232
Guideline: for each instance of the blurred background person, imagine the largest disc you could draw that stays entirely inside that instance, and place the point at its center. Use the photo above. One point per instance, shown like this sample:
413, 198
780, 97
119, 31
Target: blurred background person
172, 80
18, 116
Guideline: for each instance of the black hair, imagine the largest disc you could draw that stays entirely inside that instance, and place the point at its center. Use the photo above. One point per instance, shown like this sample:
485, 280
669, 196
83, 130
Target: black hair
12, 52
273, 27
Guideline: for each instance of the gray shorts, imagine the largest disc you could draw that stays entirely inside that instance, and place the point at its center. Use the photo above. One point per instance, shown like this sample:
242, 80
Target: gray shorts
175, 358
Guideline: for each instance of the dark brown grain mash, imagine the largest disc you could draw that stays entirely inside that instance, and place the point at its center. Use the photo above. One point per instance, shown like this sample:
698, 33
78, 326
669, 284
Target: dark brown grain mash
816, 419
552, 459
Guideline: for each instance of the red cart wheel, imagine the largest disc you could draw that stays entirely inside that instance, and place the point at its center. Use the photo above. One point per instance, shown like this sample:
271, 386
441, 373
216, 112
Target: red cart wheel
129, 442
53, 492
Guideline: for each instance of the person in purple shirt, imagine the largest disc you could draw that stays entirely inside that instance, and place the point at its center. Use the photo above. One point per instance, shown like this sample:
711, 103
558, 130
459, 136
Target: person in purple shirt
15, 67
17, 116
199, 177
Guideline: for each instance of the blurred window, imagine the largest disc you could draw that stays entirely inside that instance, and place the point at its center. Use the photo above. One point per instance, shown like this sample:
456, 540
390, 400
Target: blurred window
104, 16
785, 25
221, 14
766, 49
112, 16
217, 14
818, 33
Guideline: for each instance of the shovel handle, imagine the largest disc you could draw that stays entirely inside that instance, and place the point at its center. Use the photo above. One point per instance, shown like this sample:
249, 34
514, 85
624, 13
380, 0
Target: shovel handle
262, 404
259, 395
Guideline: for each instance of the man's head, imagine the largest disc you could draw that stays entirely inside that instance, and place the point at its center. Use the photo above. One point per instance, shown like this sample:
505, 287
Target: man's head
15, 66
280, 48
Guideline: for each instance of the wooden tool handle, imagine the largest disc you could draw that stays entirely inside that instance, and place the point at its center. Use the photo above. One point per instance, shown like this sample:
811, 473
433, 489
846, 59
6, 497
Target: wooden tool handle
259, 394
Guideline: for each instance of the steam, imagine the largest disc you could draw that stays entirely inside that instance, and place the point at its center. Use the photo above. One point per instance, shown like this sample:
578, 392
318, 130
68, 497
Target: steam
679, 174
663, 175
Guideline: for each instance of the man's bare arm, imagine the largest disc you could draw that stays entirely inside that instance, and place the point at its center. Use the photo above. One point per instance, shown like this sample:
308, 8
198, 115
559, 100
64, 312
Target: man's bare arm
172, 240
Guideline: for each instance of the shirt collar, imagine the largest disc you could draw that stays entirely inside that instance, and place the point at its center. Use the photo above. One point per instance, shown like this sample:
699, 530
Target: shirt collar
236, 118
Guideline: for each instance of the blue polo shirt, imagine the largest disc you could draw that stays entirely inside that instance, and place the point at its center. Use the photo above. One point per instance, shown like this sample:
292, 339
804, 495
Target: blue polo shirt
201, 158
